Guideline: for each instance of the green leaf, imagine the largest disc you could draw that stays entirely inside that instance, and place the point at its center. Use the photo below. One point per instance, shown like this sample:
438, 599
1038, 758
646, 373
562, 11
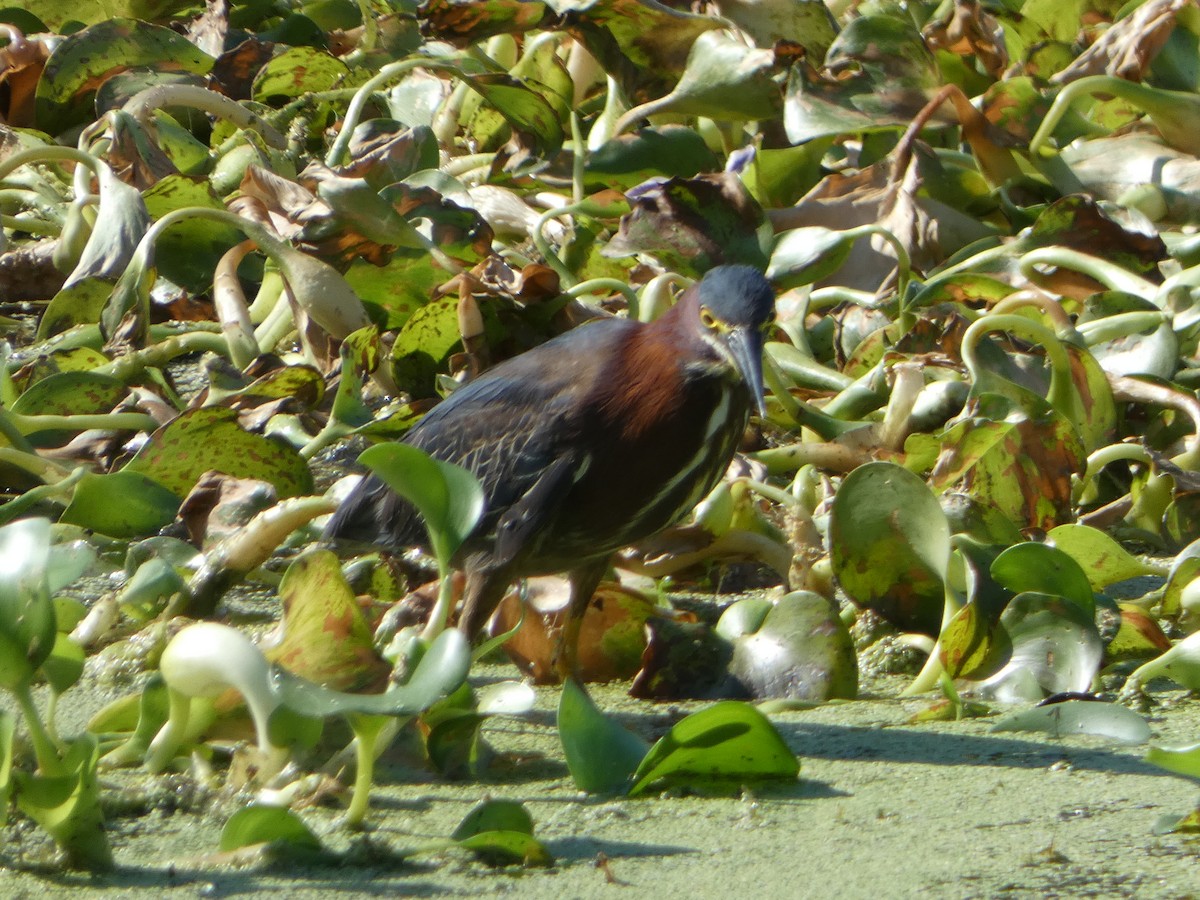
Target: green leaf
801, 651
1055, 649
297, 71
441, 670
121, 504
601, 755
890, 545
210, 439
323, 634
262, 824
494, 815
728, 742
63, 667
83, 59
448, 497
71, 393
1101, 558
1180, 760
500, 848
1080, 717
1046, 570
27, 621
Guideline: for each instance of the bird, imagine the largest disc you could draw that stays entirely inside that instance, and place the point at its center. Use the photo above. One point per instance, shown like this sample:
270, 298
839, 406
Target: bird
587, 443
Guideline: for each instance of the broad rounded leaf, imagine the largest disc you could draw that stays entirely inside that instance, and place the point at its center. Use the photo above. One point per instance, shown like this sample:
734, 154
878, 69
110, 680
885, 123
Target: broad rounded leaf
729, 741
1080, 717
262, 824
210, 439
890, 545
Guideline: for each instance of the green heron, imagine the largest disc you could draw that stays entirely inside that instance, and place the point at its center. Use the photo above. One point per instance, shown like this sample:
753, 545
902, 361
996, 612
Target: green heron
590, 442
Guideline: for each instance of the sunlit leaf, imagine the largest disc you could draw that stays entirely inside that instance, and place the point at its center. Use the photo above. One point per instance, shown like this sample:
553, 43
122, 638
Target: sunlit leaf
210, 438
890, 544
600, 754
262, 824
728, 742
1108, 720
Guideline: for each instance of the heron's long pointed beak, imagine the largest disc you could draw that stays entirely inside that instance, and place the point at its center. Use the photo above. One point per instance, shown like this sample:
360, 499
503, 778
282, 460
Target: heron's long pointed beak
746, 345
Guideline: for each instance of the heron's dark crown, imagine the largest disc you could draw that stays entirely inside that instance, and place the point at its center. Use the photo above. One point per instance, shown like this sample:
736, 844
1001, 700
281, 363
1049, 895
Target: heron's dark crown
738, 296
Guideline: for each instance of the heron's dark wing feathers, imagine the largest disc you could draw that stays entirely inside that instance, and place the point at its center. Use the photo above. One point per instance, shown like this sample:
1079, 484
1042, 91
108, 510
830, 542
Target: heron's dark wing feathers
516, 429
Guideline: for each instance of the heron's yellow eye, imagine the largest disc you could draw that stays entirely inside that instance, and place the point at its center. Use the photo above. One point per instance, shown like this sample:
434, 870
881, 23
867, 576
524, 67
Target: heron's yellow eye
707, 319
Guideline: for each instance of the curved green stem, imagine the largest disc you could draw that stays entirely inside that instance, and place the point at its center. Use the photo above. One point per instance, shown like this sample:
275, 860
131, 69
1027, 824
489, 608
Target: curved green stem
354, 112
606, 284
43, 746
543, 243
1111, 276
1061, 392
192, 96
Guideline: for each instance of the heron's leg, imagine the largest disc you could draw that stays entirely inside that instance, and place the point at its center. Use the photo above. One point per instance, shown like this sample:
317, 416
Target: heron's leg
584, 581
484, 590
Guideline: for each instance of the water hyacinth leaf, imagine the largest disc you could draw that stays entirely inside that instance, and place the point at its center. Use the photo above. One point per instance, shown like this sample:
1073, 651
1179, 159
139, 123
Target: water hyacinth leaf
630, 159
83, 59
527, 112
723, 79
296, 71
743, 617
8, 728
63, 667
27, 621
1181, 664
494, 815
646, 43
1039, 567
502, 848
601, 755
890, 545
1055, 649
423, 346
1108, 720
259, 823
461, 26
453, 744
1129, 335
801, 651
1184, 571
506, 698
121, 505
895, 75
71, 393
210, 439
1102, 559
188, 251
449, 498
1138, 637
1180, 760
122, 219
612, 636
67, 806
78, 304
971, 645
804, 255
393, 292
441, 670
808, 23
728, 742
359, 357
323, 635
1012, 459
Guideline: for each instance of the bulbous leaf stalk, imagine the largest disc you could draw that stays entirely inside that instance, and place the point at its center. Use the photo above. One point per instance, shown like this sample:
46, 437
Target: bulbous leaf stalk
205, 660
